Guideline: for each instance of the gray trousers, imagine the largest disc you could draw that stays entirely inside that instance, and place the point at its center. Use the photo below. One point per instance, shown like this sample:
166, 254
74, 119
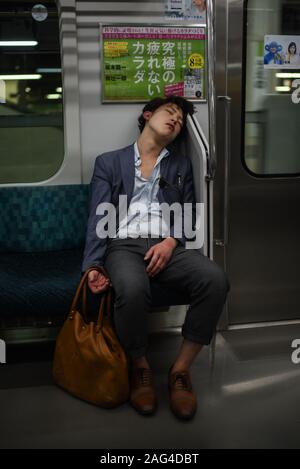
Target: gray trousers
187, 270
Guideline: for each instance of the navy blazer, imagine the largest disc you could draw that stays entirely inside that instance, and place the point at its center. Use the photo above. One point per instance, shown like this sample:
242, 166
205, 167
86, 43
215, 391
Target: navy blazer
114, 174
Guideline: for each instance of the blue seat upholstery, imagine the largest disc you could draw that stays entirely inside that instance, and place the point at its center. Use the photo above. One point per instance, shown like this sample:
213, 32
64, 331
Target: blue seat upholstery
42, 233
43, 218
38, 287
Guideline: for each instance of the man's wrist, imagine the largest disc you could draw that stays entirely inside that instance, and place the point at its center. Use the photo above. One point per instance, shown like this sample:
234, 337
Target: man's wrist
171, 241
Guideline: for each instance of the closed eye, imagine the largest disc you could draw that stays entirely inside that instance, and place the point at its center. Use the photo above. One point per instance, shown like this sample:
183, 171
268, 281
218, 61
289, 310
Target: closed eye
172, 112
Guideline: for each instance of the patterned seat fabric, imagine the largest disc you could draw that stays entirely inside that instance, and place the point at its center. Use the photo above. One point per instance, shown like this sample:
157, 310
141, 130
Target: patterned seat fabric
42, 233
47, 218
38, 287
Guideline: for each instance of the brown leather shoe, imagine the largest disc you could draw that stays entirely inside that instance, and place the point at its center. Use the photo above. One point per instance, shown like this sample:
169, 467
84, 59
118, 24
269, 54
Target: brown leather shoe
183, 400
142, 391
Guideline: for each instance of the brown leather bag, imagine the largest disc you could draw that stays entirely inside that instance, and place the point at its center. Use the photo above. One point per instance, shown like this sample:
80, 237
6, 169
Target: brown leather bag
89, 361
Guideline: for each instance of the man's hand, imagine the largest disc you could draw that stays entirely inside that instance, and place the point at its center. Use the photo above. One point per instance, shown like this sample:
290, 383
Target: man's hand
97, 282
161, 253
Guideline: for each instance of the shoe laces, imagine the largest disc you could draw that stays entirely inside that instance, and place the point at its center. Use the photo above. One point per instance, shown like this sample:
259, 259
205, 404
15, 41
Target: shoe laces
182, 382
144, 376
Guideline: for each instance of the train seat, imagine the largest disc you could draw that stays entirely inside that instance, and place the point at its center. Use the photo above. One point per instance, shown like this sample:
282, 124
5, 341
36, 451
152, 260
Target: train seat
42, 235
36, 287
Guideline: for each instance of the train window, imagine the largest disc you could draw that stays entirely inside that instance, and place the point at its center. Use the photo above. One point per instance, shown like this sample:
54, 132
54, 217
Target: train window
272, 94
31, 113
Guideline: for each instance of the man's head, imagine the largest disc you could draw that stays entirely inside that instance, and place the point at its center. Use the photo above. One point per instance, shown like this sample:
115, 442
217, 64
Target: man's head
166, 117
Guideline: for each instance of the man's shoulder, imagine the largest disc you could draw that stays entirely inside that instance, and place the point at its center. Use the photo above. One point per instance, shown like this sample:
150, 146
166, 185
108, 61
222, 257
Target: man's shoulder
180, 158
110, 156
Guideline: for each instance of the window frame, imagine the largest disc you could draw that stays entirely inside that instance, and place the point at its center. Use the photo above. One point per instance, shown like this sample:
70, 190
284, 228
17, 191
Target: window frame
52, 117
243, 108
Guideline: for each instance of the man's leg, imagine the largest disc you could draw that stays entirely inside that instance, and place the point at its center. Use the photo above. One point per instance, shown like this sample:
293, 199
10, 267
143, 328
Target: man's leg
207, 286
186, 355
126, 268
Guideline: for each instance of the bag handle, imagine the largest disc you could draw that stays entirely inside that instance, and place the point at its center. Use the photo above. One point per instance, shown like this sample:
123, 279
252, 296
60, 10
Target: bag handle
82, 288
104, 306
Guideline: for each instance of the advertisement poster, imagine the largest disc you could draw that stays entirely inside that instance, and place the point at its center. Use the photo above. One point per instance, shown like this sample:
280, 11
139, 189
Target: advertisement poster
144, 62
282, 52
194, 10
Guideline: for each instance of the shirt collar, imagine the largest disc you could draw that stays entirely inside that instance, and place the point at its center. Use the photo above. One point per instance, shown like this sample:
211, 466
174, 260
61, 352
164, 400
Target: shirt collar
137, 158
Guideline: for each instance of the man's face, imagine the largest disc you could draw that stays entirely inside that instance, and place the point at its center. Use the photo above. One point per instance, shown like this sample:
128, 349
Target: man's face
166, 121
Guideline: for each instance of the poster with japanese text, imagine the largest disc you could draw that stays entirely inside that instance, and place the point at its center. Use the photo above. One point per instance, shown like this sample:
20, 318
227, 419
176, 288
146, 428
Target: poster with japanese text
144, 62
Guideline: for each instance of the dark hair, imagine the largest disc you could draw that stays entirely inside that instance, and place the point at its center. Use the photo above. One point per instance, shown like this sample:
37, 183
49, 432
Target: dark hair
186, 106
292, 44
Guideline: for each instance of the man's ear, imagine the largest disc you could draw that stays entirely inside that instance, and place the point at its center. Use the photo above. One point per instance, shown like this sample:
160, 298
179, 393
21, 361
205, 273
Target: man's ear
147, 115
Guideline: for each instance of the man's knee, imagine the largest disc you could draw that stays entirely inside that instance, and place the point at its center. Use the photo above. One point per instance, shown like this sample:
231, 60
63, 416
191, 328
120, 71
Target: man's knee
214, 280
218, 280
221, 281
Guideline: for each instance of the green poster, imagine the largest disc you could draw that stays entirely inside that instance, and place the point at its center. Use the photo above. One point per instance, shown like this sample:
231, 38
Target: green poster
145, 62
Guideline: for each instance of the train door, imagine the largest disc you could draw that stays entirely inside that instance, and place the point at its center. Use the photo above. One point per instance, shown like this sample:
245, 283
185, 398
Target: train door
258, 223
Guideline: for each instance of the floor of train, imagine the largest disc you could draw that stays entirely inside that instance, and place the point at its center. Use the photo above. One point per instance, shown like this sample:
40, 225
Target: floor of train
248, 397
